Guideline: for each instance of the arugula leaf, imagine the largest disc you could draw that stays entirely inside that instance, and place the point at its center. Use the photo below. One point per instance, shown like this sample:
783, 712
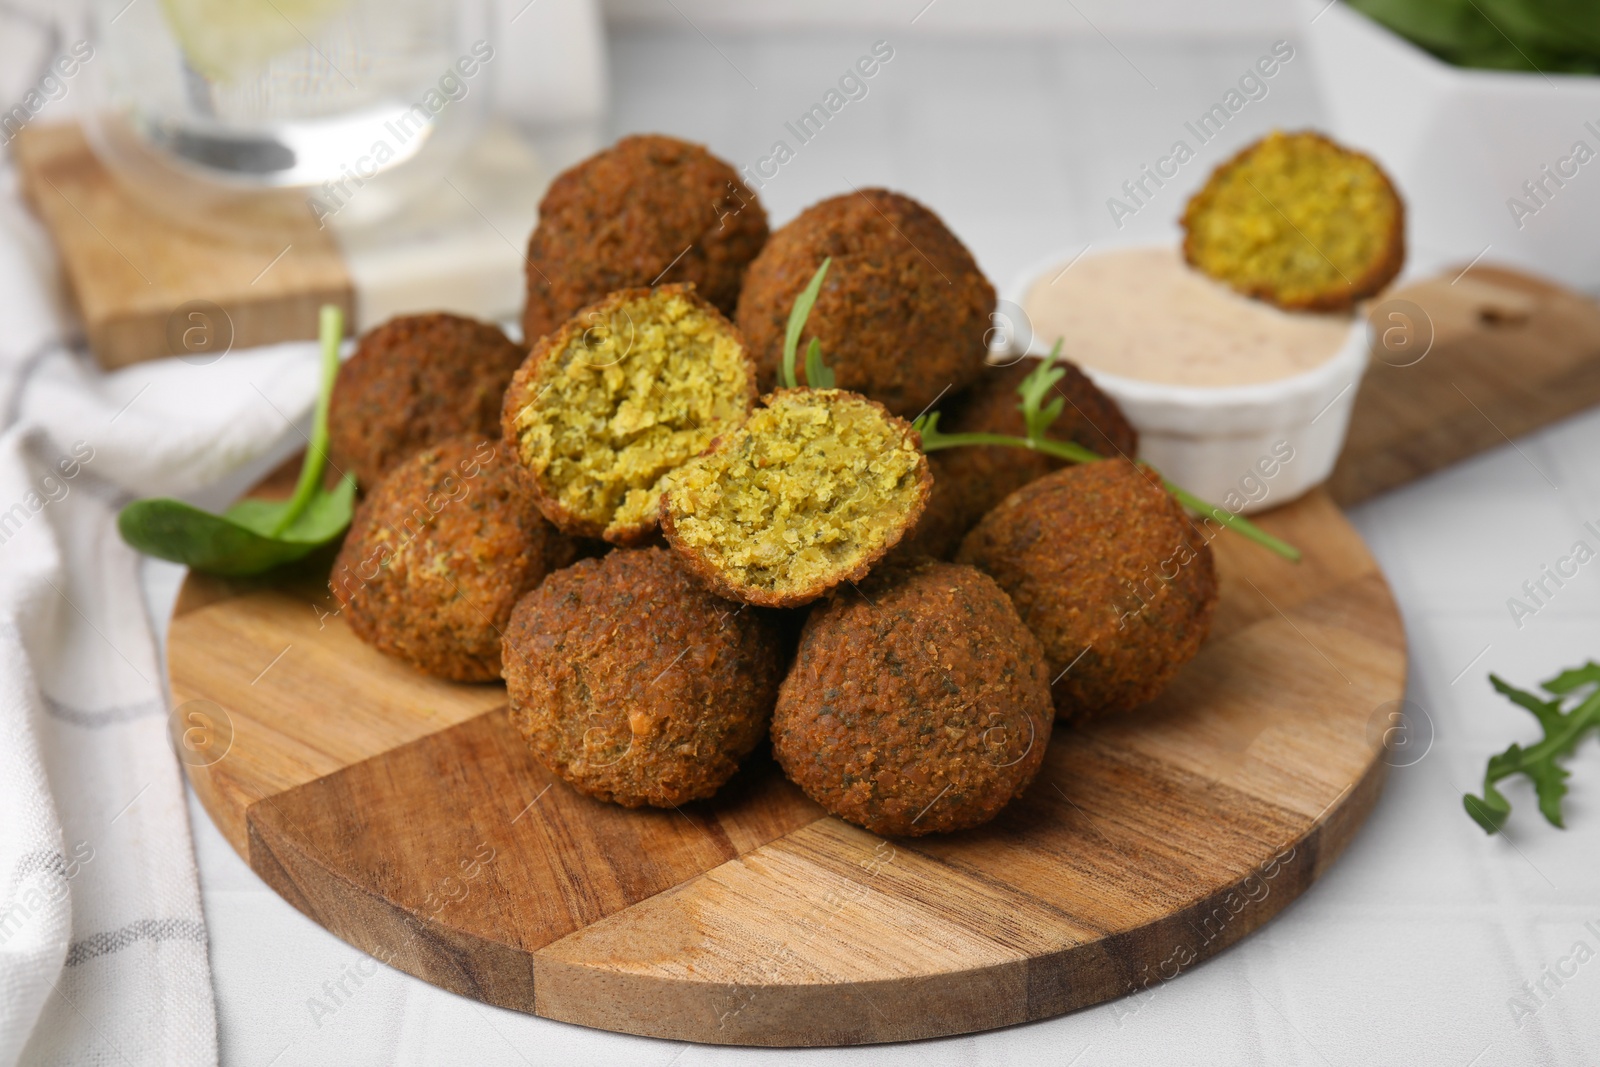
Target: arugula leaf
1579, 686
818, 374
1039, 417
1033, 389
797, 321
255, 535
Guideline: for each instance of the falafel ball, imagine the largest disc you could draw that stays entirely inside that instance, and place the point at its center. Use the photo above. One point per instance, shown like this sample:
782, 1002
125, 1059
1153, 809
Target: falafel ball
624, 392
636, 686
1299, 221
412, 382
903, 311
438, 554
647, 210
969, 481
1108, 572
920, 705
813, 490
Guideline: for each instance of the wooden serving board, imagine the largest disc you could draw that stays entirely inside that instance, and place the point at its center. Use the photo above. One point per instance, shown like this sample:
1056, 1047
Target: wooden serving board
407, 816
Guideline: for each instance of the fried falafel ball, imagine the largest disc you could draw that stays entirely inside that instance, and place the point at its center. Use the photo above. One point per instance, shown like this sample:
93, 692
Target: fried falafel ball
636, 686
813, 490
969, 481
438, 554
620, 395
919, 705
1298, 221
1110, 575
412, 382
903, 311
646, 210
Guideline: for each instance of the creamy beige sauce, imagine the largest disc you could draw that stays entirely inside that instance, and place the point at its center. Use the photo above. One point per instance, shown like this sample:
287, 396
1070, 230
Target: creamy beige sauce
1144, 313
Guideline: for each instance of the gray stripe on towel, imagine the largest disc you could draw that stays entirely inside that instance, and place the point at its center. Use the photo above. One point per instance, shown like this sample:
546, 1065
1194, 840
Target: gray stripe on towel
102, 717
104, 944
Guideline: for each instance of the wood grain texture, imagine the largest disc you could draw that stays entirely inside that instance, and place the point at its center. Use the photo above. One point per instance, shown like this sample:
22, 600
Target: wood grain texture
129, 269
407, 817
1510, 353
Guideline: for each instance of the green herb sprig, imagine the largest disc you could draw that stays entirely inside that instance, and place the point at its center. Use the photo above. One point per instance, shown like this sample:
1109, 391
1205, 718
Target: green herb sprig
1562, 730
1039, 416
255, 535
818, 374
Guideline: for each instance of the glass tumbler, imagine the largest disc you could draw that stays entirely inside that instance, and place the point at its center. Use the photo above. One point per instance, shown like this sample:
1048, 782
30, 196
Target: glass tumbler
248, 115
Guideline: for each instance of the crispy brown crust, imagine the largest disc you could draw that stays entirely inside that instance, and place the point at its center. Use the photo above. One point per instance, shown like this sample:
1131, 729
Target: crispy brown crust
1084, 554
969, 481
707, 572
636, 686
438, 554
523, 389
647, 209
412, 382
903, 312
920, 705
1379, 275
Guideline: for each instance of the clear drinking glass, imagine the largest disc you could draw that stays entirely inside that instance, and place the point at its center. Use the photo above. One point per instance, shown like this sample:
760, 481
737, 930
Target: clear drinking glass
251, 114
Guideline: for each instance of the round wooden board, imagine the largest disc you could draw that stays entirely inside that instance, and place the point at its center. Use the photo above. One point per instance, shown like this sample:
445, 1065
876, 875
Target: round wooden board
406, 816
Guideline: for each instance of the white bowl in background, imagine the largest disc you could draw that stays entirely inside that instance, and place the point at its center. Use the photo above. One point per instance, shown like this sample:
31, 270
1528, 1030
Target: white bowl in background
1244, 447
1460, 143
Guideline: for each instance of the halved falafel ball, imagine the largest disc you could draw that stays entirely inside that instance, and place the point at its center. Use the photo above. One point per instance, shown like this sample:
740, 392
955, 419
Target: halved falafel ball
438, 554
918, 705
969, 481
635, 685
412, 382
903, 311
649, 209
1108, 572
623, 393
1300, 221
812, 491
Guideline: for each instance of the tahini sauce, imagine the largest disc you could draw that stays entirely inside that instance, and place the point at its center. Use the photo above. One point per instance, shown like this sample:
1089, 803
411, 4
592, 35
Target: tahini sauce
1144, 313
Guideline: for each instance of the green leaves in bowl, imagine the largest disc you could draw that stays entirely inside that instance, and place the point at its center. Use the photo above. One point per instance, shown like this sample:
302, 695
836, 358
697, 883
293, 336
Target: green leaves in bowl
1579, 688
1547, 36
254, 536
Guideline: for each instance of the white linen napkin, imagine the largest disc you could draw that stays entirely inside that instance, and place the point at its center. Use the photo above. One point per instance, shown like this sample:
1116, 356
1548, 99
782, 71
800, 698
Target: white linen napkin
103, 956
102, 941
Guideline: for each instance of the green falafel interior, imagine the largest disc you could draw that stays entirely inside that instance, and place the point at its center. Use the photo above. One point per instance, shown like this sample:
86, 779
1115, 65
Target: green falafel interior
623, 393
816, 487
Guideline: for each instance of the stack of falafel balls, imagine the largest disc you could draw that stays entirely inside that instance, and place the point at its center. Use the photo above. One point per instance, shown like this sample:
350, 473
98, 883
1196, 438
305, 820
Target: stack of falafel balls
669, 558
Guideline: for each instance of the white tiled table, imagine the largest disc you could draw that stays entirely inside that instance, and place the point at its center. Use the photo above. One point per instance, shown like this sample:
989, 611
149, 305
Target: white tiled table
1408, 951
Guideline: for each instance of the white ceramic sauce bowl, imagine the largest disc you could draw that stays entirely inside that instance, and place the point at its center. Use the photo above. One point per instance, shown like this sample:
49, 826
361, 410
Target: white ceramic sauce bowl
1245, 447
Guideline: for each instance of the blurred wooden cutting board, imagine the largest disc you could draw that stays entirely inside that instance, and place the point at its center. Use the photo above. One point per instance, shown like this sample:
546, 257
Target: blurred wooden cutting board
1473, 359
138, 279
